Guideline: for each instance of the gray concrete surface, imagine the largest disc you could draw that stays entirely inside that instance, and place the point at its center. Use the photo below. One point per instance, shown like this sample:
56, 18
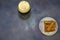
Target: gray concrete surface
12, 27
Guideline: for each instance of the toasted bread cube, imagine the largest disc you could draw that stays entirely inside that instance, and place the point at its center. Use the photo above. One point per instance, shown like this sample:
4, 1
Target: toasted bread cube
49, 26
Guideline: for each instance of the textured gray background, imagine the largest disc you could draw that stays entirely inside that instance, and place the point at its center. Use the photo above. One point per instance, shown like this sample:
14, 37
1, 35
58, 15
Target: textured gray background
12, 27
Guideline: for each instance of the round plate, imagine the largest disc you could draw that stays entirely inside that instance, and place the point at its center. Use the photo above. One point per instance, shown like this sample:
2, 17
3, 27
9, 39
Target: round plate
42, 26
